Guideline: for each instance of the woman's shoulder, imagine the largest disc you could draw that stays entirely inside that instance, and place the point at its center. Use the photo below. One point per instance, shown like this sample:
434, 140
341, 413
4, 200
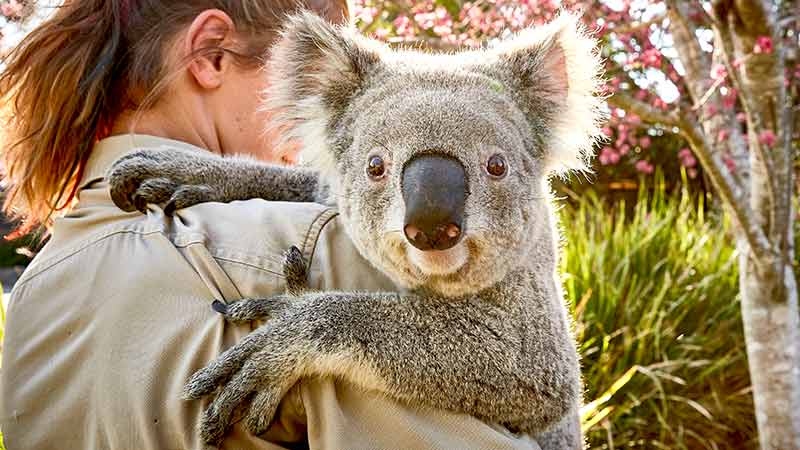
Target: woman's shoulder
255, 231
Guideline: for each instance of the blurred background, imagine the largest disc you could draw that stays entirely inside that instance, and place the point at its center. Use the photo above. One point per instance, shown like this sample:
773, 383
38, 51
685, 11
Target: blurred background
650, 251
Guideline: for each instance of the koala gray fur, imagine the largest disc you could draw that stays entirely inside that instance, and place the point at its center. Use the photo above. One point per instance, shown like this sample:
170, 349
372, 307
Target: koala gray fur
482, 328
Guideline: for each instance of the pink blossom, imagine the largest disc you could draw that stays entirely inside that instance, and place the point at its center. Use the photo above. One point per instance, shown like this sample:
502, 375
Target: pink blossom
651, 58
403, 26
608, 156
687, 158
741, 117
767, 137
763, 45
718, 72
729, 99
381, 33
730, 164
722, 135
645, 142
644, 167
625, 149
692, 172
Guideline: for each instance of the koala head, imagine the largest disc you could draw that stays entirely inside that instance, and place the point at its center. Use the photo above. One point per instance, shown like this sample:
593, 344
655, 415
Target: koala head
439, 163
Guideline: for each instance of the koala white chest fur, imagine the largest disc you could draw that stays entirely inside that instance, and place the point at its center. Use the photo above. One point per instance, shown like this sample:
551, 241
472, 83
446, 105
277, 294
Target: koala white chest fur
439, 165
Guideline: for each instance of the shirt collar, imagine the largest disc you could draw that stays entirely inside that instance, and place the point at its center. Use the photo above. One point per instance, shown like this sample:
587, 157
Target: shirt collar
110, 149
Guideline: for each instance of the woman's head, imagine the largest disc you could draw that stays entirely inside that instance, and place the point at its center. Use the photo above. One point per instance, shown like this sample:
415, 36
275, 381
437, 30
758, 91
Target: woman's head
96, 62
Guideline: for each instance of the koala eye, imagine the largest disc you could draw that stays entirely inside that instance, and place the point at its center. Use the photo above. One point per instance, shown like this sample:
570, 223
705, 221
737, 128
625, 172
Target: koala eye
376, 168
496, 166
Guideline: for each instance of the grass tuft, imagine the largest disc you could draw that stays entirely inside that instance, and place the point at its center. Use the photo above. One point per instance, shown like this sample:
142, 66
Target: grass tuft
654, 290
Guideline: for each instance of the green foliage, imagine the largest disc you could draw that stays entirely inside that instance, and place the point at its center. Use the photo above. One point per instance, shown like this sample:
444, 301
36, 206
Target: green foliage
654, 289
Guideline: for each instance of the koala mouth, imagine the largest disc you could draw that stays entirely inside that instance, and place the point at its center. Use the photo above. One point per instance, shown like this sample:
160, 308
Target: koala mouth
439, 262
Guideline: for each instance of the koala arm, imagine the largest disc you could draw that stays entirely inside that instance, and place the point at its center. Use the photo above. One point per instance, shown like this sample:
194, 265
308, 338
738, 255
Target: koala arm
183, 178
464, 356
566, 434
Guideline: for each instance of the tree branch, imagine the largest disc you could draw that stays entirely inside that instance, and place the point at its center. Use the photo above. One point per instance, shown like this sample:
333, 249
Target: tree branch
648, 113
696, 62
738, 24
731, 193
636, 26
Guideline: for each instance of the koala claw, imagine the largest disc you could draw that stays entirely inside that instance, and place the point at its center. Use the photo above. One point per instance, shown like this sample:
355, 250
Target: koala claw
186, 196
156, 190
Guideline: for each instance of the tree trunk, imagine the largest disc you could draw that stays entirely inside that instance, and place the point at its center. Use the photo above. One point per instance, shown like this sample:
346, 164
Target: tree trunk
772, 336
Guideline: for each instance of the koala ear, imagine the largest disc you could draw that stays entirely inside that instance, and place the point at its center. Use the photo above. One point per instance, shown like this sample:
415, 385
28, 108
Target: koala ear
315, 70
555, 73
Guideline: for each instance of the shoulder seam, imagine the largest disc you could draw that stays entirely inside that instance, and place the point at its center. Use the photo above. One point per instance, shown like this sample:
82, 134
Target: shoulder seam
55, 260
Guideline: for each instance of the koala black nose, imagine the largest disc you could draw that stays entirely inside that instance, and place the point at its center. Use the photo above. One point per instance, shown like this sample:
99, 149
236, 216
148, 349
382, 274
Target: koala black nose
435, 192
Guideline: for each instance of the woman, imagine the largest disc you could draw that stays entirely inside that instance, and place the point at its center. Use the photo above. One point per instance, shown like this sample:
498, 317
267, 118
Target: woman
113, 315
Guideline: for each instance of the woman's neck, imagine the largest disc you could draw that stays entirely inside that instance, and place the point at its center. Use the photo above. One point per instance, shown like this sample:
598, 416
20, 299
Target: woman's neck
175, 125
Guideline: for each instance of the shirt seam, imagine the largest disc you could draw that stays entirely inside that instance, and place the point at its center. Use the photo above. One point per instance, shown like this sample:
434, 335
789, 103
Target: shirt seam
244, 263
332, 213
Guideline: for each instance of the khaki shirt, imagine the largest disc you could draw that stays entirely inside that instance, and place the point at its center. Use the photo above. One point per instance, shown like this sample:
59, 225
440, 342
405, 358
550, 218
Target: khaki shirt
114, 315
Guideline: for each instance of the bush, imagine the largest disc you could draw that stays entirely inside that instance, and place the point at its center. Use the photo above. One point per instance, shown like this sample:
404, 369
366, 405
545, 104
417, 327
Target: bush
655, 295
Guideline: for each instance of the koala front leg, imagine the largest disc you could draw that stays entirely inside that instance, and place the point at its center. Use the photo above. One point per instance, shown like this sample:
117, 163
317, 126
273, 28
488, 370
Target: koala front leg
457, 355
181, 178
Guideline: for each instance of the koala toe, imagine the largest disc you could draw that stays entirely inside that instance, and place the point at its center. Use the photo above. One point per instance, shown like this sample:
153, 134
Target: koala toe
211, 428
247, 310
262, 410
156, 190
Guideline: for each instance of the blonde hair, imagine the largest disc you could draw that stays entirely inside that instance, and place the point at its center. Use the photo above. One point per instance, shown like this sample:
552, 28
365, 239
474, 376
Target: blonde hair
68, 80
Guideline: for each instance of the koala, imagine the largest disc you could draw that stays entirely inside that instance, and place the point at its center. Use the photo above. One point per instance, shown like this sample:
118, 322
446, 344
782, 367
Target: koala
439, 165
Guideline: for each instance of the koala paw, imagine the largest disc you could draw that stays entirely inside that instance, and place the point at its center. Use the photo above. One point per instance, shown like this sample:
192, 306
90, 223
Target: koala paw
259, 367
266, 398
159, 176
295, 271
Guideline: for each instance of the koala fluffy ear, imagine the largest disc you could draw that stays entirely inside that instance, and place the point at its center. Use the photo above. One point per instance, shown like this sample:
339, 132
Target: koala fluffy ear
555, 73
315, 70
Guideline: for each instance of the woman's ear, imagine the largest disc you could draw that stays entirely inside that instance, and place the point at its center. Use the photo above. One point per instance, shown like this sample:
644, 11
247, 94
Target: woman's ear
207, 34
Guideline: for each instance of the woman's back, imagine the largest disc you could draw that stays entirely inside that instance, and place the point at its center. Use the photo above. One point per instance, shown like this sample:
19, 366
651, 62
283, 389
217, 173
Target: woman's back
87, 350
